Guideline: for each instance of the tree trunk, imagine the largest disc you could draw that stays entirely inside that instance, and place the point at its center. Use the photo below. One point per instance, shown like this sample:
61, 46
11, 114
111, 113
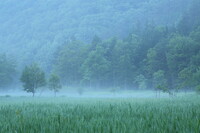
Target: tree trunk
33, 92
185, 91
125, 84
156, 94
90, 84
55, 93
113, 78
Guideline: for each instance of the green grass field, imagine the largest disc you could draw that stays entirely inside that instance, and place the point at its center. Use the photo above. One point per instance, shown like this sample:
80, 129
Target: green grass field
102, 115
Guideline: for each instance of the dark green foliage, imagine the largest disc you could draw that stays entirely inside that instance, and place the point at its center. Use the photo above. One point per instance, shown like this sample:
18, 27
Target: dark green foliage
187, 78
95, 67
198, 89
181, 49
191, 19
69, 59
164, 89
54, 83
32, 78
7, 71
141, 82
159, 78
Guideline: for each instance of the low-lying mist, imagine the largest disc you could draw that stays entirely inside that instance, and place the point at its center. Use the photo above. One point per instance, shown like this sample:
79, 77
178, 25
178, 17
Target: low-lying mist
75, 93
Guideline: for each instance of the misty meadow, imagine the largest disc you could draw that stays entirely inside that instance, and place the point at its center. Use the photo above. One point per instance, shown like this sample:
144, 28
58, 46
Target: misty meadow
115, 66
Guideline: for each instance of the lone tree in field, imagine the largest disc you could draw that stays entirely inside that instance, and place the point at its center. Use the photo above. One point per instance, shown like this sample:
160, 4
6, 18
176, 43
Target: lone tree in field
54, 83
32, 78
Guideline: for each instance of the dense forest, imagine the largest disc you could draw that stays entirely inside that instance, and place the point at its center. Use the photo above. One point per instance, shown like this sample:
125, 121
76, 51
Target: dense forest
33, 29
131, 44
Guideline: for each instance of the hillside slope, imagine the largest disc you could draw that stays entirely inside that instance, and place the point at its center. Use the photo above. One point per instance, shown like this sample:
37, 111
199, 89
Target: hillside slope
31, 30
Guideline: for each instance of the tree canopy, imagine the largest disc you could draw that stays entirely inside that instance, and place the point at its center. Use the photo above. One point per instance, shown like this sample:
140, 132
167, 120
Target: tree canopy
32, 78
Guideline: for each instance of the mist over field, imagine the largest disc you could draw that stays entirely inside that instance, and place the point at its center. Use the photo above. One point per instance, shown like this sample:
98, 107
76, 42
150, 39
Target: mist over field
91, 94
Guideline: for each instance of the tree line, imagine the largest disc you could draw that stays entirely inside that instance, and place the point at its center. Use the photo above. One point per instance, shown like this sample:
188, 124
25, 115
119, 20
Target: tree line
149, 58
156, 57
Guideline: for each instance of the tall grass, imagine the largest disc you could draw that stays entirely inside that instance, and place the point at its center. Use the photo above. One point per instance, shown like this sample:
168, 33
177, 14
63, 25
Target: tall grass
64, 115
